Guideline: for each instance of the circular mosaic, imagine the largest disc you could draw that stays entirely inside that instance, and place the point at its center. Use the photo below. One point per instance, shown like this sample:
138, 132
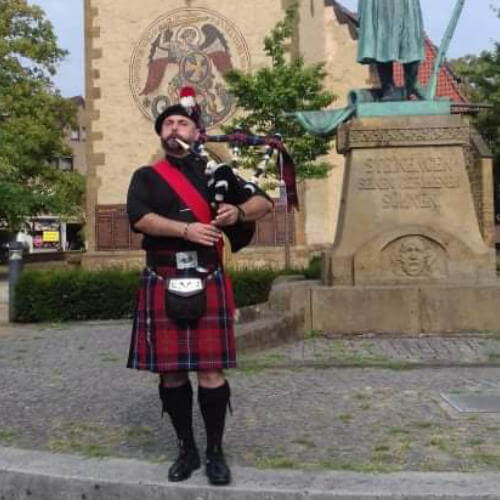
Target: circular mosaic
194, 47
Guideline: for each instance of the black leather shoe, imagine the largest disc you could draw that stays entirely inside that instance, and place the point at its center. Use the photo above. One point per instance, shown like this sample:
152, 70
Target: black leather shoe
187, 462
217, 470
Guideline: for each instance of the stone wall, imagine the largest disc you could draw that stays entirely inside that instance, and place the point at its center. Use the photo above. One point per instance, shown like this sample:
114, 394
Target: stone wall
248, 258
479, 165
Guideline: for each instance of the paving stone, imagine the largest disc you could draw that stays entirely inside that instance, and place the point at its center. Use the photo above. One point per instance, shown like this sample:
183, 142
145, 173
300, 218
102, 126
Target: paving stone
66, 388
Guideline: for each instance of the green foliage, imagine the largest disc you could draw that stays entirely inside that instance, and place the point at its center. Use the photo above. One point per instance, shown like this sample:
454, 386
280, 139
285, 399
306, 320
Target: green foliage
75, 295
33, 118
252, 286
79, 295
482, 78
286, 85
313, 272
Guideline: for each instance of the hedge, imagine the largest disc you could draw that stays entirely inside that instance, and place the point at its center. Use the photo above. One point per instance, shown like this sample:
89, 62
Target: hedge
79, 295
75, 295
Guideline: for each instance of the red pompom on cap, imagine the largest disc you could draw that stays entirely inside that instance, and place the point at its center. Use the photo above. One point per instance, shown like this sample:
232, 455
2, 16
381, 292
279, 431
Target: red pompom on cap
188, 98
187, 92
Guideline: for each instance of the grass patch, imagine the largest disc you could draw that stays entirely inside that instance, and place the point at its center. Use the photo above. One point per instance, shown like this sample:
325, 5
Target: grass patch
90, 440
7, 436
357, 466
360, 396
110, 358
422, 424
489, 459
313, 334
432, 465
394, 431
140, 436
362, 359
283, 462
95, 440
277, 462
346, 418
255, 363
305, 443
475, 442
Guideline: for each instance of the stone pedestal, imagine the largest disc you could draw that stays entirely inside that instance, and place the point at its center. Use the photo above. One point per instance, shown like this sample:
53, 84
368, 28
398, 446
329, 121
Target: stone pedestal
407, 214
409, 256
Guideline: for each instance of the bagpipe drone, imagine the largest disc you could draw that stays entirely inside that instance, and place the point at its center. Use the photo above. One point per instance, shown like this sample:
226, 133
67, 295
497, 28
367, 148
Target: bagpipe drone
225, 185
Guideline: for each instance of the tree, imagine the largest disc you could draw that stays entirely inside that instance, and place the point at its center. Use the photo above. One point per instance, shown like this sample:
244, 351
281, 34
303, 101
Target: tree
481, 75
33, 119
287, 85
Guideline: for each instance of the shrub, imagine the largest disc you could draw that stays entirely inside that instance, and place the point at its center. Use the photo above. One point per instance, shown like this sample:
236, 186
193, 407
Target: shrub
252, 286
75, 295
313, 272
80, 295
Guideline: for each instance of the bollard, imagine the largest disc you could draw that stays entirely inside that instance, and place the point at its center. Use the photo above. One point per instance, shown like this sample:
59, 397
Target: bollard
15, 270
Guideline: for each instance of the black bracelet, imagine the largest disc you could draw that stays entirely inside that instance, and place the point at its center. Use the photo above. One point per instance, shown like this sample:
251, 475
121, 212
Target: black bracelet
241, 214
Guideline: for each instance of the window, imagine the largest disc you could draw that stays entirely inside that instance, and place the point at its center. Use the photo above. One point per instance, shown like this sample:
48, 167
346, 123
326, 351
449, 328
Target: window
66, 163
75, 134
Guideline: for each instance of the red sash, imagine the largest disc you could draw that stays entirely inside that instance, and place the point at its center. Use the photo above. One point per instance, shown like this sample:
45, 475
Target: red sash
188, 194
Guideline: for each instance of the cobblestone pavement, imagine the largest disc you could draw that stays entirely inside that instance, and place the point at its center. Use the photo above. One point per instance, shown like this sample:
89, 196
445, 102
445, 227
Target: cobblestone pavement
324, 403
369, 350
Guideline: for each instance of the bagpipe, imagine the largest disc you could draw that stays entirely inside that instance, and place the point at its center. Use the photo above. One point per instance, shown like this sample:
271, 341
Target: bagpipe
227, 186
223, 179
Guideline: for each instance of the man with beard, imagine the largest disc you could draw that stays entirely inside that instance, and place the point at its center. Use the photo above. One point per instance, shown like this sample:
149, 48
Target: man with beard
391, 30
169, 204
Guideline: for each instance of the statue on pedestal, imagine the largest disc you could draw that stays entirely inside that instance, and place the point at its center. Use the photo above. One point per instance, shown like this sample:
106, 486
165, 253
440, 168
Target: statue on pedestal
389, 31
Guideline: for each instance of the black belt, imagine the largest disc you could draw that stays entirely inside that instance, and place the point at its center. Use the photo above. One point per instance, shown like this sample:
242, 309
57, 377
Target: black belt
158, 259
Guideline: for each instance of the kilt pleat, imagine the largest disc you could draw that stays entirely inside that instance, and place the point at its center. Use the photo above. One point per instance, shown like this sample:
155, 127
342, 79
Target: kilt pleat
159, 344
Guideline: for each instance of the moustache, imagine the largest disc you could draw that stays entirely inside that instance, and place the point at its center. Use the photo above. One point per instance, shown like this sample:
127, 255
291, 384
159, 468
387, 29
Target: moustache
173, 142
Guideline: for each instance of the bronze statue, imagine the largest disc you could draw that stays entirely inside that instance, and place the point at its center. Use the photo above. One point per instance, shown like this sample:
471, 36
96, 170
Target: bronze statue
392, 30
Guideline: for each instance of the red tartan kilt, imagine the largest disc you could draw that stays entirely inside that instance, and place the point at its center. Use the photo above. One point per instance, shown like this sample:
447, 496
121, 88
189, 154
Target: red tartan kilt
159, 344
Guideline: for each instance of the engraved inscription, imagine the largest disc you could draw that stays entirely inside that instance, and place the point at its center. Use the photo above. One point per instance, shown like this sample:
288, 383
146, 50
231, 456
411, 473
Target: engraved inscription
409, 182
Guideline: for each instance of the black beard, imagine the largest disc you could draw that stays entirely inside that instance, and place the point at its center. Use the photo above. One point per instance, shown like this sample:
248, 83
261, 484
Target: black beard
170, 145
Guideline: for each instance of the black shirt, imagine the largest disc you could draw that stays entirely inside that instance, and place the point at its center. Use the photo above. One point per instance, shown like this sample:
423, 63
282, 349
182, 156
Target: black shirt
149, 193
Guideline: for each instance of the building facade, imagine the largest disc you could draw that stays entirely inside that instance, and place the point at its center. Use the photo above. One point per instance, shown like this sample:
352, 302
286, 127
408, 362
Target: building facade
136, 61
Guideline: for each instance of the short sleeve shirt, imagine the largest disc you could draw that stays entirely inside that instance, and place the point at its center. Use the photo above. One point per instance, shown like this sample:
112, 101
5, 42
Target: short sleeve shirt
149, 193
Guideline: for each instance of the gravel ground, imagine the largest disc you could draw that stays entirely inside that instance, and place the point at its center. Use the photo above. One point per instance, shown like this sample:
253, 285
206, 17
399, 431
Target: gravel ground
65, 388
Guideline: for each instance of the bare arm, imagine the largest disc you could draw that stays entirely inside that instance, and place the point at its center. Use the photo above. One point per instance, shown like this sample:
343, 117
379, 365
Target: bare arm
254, 208
196, 232
156, 225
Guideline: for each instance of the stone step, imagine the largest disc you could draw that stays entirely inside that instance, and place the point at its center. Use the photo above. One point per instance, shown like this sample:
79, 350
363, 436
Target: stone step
268, 331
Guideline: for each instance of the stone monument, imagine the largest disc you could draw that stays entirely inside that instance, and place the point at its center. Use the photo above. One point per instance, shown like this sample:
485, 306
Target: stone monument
410, 254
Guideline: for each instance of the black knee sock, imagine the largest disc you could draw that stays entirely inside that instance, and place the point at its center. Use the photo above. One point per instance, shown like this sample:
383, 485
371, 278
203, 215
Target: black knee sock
213, 404
178, 403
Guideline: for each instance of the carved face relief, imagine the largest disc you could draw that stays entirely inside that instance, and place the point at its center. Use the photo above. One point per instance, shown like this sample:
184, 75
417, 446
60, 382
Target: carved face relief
192, 47
414, 256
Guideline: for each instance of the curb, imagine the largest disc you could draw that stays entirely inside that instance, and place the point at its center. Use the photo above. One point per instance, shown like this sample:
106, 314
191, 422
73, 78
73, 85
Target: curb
36, 475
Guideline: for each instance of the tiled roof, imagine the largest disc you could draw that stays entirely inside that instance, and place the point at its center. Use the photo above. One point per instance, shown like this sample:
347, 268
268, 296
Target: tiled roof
447, 85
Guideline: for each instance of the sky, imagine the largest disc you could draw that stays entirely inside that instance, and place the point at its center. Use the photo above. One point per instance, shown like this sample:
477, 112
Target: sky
477, 30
